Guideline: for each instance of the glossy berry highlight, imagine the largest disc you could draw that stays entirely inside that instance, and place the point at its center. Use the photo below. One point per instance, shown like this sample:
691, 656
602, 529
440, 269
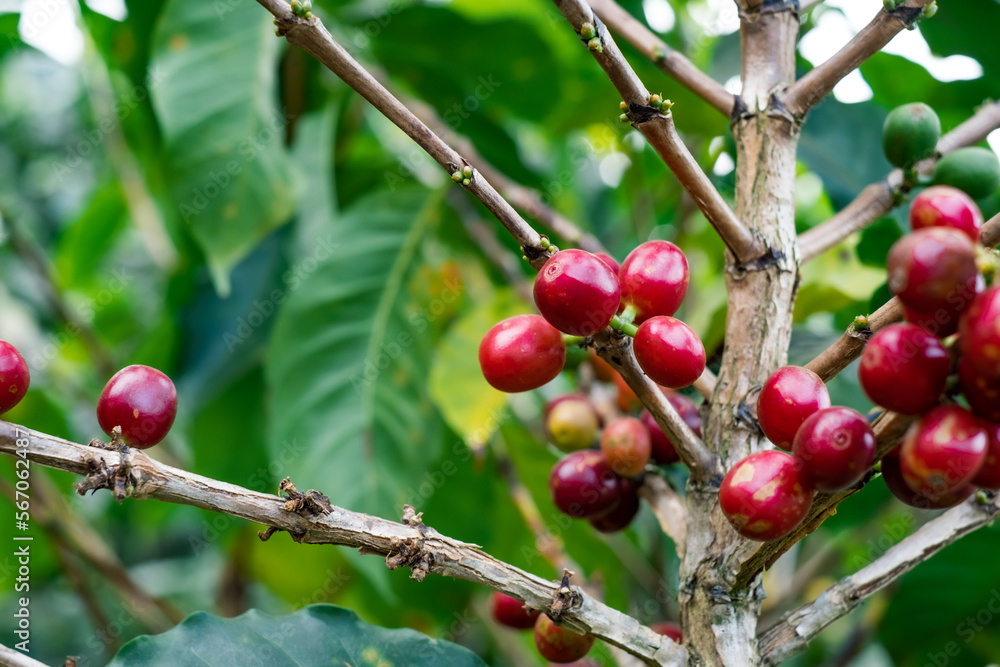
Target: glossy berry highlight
510, 612
577, 292
835, 448
789, 396
930, 268
945, 206
669, 352
943, 452
14, 376
654, 279
521, 353
765, 496
142, 401
904, 368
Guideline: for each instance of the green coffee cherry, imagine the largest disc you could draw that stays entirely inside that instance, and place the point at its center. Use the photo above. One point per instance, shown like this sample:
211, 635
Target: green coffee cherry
910, 134
975, 171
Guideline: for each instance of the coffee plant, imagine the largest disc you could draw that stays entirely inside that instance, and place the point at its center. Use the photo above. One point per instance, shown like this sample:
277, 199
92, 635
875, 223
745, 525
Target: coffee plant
738, 344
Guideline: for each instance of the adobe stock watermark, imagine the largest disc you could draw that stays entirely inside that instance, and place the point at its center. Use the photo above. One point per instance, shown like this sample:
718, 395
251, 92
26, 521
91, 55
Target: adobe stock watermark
90, 140
454, 116
392, 349
263, 309
246, 151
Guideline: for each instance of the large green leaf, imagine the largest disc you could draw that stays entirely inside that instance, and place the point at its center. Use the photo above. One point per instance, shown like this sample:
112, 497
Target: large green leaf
232, 177
317, 635
349, 360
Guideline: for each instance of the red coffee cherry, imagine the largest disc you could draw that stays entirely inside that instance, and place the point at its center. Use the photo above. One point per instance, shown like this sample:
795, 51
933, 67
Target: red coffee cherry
943, 322
511, 612
982, 392
663, 451
622, 515
892, 475
930, 268
789, 396
835, 448
609, 260
142, 401
945, 206
654, 279
558, 644
626, 446
577, 292
943, 451
521, 353
571, 423
989, 474
14, 376
668, 629
669, 352
583, 485
904, 368
765, 496
979, 333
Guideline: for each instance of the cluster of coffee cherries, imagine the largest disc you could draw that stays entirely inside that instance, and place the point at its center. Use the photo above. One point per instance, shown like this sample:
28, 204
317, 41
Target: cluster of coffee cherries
555, 643
952, 329
137, 406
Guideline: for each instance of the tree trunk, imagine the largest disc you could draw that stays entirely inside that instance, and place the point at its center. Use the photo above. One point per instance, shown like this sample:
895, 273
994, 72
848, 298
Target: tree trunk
719, 620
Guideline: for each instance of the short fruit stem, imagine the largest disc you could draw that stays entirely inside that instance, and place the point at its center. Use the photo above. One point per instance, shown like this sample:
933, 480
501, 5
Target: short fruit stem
618, 323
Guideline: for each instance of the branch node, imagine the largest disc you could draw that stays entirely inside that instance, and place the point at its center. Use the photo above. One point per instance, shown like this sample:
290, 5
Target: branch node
565, 598
409, 552
770, 257
117, 478
265, 535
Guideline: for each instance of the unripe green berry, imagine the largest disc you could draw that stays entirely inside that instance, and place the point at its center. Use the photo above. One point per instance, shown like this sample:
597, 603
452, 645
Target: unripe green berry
457, 177
467, 172
623, 106
595, 45
588, 31
466, 182
623, 118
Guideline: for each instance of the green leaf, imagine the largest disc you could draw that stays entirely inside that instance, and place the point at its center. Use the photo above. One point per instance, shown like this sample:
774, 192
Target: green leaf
224, 134
876, 240
466, 401
349, 359
317, 635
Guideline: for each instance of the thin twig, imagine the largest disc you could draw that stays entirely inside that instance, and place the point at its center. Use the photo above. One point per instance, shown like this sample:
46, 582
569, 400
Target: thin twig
658, 128
668, 507
792, 634
616, 349
311, 35
672, 62
819, 81
412, 544
879, 198
12, 658
849, 347
756, 556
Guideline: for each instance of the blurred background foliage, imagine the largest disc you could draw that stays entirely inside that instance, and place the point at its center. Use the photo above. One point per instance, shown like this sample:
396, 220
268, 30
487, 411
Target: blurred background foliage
180, 189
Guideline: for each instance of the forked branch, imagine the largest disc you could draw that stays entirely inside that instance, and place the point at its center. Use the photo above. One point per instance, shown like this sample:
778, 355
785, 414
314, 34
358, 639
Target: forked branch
673, 63
819, 81
879, 198
409, 544
794, 632
658, 128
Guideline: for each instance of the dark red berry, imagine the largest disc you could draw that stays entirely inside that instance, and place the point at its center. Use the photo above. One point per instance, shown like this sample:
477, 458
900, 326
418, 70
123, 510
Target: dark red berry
663, 450
943, 451
558, 644
765, 496
982, 392
609, 260
668, 629
943, 322
930, 268
654, 279
571, 423
945, 206
621, 516
904, 368
521, 353
142, 401
14, 377
511, 612
835, 447
989, 474
893, 477
789, 396
669, 352
626, 446
583, 485
577, 292
979, 333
